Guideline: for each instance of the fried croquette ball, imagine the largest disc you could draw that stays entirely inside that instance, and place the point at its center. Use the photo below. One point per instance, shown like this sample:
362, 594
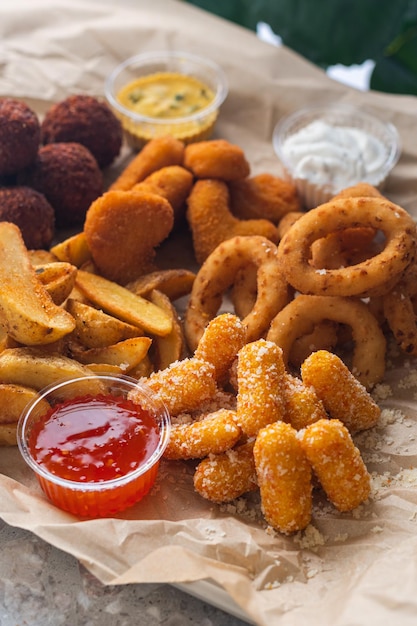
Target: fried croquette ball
31, 212
70, 179
86, 120
19, 136
216, 158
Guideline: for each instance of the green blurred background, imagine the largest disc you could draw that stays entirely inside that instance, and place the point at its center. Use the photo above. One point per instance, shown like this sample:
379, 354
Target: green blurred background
328, 32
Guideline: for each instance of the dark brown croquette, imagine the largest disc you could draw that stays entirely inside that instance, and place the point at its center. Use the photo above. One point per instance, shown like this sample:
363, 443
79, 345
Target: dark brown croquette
86, 120
31, 212
69, 177
19, 136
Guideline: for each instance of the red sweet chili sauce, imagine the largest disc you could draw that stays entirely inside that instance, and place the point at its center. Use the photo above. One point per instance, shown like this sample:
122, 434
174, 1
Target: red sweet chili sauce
94, 438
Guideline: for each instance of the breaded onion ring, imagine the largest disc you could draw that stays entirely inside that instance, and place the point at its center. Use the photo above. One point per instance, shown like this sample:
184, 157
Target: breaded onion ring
217, 274
361, 278
400, 313
304, 312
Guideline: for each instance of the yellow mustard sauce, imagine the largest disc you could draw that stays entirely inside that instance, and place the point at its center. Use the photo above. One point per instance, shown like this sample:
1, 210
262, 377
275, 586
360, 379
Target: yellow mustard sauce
166, 95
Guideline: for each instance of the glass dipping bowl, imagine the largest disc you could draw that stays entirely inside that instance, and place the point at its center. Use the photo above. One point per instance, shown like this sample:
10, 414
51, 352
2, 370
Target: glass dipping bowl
98, 497
314, 192
192, 127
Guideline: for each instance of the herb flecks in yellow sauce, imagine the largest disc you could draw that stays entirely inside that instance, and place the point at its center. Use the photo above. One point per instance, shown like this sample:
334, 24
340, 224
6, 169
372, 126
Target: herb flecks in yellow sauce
166, 95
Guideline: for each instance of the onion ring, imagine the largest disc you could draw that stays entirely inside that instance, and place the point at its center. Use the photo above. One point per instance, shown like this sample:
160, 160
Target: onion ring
217, 274
359, 279
400, 313
301, 315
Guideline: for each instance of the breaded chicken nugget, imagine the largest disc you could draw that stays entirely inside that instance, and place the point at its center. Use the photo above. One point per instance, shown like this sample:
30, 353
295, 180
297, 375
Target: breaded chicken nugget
216, 158
263, 196
211, 221
225, 477
122, 229
173, 183
284, 477
337, 463
157, 153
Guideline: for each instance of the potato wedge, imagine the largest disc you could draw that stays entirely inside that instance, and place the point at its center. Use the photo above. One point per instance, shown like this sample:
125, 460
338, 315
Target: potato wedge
125, 354
96, 329
31, 367
73, 250
27, 311
122, 303
13, 399
39, 257
58, 279
169, 348
142, 369
174, 283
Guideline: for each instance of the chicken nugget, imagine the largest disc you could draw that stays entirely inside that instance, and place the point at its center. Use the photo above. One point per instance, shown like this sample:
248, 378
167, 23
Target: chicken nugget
216, 158
260, 383
284, 478
157, 153
211, 221
122, 230
172, 182
225, 477
337, 463
214, 434
342, 394
263, 196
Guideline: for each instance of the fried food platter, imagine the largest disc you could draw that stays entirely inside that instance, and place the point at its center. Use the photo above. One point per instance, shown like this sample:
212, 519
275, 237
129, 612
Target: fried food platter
350, 564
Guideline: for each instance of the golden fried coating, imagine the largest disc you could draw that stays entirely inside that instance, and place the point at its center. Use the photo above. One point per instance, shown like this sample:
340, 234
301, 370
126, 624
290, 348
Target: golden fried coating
214, 434
284, 478
216, 158
222, 339
337, 463
218, 273
211, 221
324, 336
287, 221
359, 190
302, 405
225, 477
173, 183
260, 383
184, 385
343, 396
157, 153
344, 247
299, 317
263, 196
123, 228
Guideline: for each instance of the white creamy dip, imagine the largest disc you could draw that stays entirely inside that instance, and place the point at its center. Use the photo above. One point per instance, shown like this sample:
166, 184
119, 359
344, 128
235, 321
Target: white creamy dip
337, 155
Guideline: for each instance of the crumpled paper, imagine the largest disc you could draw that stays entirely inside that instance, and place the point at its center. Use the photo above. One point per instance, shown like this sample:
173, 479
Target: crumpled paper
345, 569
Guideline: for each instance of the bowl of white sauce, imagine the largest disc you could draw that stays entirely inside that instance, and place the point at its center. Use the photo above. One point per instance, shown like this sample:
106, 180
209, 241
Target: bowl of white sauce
327, 149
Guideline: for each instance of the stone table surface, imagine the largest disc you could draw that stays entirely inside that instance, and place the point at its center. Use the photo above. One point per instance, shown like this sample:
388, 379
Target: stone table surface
41, 585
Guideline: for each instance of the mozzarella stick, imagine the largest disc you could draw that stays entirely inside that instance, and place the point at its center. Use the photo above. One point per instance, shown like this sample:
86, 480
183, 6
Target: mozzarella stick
343, 396
222, 339
337, 463
302, 406
184, 385
284, 478
214, 434
260, 383
224, 477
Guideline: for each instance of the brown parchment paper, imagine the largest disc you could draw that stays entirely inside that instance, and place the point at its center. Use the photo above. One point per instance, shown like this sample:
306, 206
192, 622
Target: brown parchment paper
345, 569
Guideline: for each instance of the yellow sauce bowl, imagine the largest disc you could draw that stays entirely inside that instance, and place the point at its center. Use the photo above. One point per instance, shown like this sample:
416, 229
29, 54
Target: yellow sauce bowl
183, 122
